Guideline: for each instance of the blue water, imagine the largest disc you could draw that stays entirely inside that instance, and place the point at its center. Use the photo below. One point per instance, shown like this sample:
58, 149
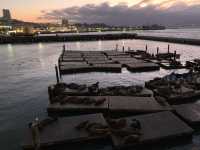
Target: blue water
27, 70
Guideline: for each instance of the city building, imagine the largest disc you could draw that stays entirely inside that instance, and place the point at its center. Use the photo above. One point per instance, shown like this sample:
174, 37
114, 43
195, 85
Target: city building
65, 22
6, 14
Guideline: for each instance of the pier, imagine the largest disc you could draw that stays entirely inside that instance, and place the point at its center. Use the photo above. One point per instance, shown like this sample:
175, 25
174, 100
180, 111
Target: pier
163, 111
92, 37
65, 38
101, 61
170, 39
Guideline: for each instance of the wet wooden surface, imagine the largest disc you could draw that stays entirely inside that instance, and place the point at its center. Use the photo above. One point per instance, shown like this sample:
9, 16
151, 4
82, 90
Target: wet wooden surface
134, 105
101, 61
156, 127
80, 108
189, 113
142, 66
63, 131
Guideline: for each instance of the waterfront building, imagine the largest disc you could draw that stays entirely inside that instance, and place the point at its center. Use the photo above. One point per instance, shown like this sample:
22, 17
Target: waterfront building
6, 14
65, 22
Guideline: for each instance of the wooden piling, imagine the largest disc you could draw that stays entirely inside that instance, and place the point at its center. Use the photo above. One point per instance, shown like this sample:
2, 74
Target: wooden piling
116, 47
168, 48
35, 134
146, 48
123, 48
57, 74
64, 48
157, 50
174, 55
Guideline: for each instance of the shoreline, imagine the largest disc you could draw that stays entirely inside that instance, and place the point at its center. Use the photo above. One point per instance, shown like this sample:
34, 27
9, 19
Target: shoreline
93, 37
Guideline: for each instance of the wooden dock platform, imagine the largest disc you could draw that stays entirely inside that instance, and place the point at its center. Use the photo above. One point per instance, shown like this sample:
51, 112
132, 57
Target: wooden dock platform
62, 109
189, 113
141, 67
177, 88
155, 128
112, 105
65, 131
100, 61
63, 89
126, 105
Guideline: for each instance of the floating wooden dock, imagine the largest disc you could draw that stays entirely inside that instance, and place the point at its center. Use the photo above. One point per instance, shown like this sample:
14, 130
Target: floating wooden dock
126, 91
155, 128
126, 105
65, 131
101, 61
141, 67
112, 105
176, 88
63, 89
189, 113
59, 109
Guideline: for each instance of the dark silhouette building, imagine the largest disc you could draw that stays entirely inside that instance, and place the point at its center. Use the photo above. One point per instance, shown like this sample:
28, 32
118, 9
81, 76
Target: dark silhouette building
6, 14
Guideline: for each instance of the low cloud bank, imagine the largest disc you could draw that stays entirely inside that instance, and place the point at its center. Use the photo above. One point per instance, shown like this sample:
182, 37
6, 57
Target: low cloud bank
122, 14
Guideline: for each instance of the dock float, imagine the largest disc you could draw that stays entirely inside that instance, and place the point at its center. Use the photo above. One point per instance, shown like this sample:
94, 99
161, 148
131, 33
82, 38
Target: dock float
77, 105
126, 105
190, 113
107, 105
71, 62
151, 129
137, 91
177, 88
68, 130
73, 89
141, 67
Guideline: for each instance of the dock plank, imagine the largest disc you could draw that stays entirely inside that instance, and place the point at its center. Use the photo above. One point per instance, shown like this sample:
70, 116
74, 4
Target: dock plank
134, 105
69, 69
137, 67
189, 112
156, 127
107, 67
57, 108
63, 131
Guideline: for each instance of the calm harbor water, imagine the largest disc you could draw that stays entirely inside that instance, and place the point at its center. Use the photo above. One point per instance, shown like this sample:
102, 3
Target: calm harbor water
27, 70
192, 33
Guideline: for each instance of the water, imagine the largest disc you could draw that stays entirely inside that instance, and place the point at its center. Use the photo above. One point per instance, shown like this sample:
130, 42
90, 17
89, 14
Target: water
27, 70
192, 33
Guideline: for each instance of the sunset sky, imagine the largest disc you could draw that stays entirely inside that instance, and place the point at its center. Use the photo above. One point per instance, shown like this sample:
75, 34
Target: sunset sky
46, 10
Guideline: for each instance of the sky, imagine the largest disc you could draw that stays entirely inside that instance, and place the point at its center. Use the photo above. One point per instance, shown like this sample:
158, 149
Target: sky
120, 12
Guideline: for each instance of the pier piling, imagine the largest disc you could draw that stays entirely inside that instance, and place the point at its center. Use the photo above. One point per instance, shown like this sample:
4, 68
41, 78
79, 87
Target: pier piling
146, 48
64, 48
123, 48
168, 48
116, 47
35, 134
157, 50
57, 74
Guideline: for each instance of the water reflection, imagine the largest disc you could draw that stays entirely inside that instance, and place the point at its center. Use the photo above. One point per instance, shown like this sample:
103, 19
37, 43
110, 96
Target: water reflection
27, 70
11, 52
40, 46
99, 45
78, 45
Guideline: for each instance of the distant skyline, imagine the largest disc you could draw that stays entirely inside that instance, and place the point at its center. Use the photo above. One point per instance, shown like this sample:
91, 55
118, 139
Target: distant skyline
121, 12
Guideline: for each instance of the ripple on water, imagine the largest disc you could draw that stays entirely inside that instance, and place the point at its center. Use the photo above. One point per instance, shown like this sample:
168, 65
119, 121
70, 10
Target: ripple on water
27, 70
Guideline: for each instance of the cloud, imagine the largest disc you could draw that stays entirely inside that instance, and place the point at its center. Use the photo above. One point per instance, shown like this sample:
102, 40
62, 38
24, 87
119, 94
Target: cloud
121, 14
